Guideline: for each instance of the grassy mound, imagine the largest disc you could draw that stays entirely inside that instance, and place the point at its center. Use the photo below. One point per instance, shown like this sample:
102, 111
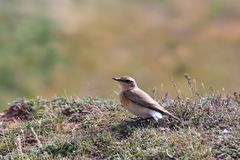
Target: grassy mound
95, 128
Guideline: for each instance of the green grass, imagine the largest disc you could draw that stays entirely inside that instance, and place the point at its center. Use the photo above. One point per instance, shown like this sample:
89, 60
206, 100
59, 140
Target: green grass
27, 41
96, 128
49, 48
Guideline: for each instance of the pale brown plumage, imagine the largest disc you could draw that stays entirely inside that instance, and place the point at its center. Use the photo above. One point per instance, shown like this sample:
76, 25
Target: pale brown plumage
141, 98
138, 102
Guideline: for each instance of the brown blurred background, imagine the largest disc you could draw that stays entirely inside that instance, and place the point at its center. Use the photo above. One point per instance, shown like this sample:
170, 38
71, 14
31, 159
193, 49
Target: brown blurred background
74, 47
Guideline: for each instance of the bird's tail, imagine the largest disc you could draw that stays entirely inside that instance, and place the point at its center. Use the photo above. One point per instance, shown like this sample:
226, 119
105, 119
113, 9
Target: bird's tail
170, 114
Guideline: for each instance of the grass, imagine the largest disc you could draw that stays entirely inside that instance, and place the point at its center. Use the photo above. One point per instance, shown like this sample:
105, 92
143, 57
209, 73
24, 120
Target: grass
96, 128
47, 47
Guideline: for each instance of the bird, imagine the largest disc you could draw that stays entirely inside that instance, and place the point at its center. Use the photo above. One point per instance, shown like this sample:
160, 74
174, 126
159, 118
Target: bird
139, 102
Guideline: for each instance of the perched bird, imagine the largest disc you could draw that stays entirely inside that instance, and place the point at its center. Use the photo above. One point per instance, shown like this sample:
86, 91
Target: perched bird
140, 103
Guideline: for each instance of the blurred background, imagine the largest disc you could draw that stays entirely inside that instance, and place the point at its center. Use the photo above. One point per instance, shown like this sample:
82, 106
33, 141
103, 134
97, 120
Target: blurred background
74, 47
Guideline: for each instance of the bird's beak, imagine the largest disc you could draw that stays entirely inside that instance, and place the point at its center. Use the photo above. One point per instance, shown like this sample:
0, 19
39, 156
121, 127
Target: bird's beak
116, 79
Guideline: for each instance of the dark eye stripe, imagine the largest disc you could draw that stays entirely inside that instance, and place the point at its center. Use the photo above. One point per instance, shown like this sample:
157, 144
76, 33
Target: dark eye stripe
127, 81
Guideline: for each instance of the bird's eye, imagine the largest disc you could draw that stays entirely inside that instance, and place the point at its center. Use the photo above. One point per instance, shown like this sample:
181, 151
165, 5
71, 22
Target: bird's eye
128, 81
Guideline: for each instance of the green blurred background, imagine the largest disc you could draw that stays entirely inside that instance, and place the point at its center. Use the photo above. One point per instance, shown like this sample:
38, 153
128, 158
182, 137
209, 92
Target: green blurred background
74, 47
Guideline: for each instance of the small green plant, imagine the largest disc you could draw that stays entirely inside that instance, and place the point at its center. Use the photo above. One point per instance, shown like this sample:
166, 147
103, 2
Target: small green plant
98, 128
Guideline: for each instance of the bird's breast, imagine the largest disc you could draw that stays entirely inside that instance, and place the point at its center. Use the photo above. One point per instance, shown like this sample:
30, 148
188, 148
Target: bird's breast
125, 102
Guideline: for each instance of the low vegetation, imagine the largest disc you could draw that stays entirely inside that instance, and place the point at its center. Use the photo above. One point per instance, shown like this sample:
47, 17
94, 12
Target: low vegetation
96, 128
47, 47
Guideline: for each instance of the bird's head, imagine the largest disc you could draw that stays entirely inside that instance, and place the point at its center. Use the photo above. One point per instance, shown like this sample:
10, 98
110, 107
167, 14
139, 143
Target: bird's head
126, 82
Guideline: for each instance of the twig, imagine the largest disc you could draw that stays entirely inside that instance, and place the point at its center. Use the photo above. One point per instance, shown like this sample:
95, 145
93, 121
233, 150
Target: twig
19, 145
170, 156
36, 137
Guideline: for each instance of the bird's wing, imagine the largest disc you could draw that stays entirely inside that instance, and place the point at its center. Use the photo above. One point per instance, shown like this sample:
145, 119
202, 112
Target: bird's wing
143, 99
